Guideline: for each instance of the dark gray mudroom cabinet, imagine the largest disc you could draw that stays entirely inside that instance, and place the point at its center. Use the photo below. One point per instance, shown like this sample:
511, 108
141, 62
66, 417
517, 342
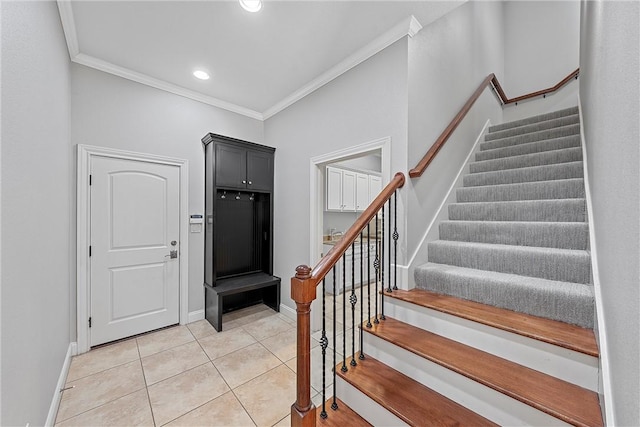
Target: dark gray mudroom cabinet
238, 255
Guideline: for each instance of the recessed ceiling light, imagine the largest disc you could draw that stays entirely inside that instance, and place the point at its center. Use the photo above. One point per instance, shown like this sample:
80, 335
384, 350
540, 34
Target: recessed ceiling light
202, 75
251, 5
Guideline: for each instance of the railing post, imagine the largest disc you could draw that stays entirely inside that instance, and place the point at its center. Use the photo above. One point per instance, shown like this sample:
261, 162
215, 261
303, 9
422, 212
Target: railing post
303, 292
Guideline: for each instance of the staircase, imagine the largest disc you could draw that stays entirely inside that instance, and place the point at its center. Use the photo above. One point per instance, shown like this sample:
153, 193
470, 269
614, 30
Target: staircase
499, 328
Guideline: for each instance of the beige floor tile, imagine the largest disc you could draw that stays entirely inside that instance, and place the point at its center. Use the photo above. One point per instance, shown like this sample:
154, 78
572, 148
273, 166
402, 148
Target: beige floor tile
286, 318
102, 358
282, 345
185, 392
98, 389
225, 410
268, 398
201, 328
245, 364
130, 410
160, 366
223, 343
292, 364
267, 327
285, 422
164, 339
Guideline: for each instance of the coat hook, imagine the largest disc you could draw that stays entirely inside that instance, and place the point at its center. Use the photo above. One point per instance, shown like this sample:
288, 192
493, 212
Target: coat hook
224, 195
252, 196
238, 196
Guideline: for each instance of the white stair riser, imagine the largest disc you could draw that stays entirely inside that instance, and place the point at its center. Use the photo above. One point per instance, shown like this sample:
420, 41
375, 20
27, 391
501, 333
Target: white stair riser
481, 399
366, 407
567, 365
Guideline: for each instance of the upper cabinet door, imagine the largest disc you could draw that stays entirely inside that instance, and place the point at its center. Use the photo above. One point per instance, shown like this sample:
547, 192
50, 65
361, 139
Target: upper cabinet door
348, 191
259, 171
334, 189
362, 191
231, 166
375, 187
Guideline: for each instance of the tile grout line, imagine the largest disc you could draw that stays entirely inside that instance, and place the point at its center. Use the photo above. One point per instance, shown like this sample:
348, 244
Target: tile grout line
146, 386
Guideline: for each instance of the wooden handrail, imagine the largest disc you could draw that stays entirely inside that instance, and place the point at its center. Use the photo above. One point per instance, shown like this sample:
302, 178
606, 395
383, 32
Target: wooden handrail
303, 292
504, 99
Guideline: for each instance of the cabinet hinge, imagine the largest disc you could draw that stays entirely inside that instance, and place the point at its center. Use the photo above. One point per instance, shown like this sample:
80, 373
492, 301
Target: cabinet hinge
89, 321
89, 250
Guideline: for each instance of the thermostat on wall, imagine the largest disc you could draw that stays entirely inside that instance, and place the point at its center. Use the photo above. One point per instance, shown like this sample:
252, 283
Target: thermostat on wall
195, 223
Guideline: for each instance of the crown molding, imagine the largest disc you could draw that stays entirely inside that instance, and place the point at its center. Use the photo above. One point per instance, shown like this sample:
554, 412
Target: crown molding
408, 27
126, 73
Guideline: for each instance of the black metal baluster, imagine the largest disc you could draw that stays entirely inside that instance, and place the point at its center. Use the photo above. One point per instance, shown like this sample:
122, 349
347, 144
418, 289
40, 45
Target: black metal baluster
382, 269
323, 343
353, 299
334, 405
368, 276
376, 266
361, 296
344, 314
389, 252
395, 240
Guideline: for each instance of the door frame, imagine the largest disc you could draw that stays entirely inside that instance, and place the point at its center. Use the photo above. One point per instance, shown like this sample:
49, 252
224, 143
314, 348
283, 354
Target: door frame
316, 195
83, 232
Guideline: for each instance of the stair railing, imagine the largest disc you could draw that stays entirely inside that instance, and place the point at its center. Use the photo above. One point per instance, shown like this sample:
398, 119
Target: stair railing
303, 292
492, 80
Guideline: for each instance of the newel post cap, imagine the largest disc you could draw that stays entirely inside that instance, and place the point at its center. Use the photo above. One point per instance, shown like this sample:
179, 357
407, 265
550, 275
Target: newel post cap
303, 272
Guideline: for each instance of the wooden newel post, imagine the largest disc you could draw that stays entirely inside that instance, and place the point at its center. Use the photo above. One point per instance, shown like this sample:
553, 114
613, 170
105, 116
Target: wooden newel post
303, 292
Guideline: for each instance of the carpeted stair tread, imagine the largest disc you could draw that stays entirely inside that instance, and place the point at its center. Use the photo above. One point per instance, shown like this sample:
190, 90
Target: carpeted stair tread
534, 119
562, 301
561, 235
550, 157
525, 174
343, 416
565, 265
529, 148
560, 399
560, 210
543, 190
533, 127
556, 333
406, 398
558, 132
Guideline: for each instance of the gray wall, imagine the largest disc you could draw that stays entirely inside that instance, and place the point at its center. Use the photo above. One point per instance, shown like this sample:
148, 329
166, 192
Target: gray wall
609, 63
447, 61
109, 111
366, 103
36, 207
541, 46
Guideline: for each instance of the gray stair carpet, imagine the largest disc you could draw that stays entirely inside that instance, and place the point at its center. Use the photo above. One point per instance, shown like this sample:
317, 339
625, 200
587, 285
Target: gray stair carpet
517, 236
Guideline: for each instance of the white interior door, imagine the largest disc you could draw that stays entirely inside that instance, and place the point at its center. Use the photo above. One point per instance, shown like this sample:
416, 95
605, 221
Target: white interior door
135, 223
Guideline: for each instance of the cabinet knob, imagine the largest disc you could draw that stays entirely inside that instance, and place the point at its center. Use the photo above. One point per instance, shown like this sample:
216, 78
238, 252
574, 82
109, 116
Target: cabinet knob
250, 182
244, 182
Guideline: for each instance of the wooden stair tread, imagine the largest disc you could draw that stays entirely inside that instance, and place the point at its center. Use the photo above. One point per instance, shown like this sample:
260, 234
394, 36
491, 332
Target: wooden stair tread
550, 331
406, 398
343, 416
565, 401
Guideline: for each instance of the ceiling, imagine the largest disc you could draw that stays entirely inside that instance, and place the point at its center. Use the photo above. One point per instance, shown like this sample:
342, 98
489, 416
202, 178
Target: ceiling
259, 62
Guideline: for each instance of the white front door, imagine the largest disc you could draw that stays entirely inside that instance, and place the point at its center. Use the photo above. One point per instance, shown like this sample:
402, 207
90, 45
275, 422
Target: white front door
135, 223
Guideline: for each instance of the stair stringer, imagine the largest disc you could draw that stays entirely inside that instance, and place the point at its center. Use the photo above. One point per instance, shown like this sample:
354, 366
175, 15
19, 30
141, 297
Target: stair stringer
565, 364
432, 233
481, 399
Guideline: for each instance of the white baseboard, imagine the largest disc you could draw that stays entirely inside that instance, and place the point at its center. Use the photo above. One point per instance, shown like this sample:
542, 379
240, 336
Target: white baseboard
194, 316
62, 379
289, 312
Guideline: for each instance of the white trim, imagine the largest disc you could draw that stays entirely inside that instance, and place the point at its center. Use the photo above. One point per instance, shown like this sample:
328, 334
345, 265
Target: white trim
62, 380
84, 154
605, 367
289, 312
194, 316
453, 186
408, 27
69, 27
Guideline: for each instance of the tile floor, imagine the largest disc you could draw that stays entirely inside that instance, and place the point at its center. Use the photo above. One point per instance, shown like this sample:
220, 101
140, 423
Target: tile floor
194, 376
